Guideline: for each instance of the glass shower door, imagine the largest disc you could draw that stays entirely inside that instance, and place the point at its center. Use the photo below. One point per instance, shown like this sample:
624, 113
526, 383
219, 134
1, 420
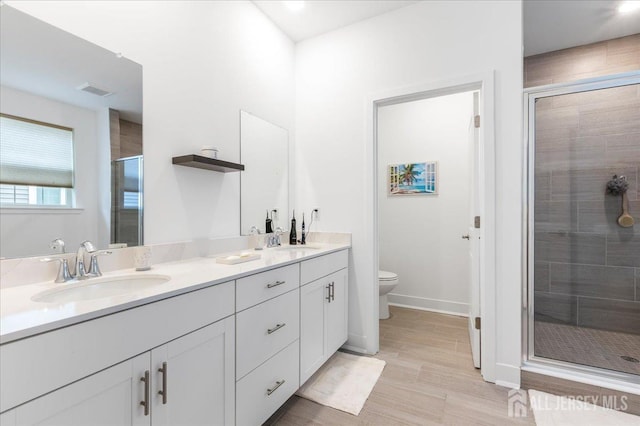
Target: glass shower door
584, 267
127, 201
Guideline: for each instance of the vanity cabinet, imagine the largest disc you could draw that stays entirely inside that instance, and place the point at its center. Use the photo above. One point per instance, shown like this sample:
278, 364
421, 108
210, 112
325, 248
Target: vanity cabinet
189, 380
323, 311
193, 332
230, 353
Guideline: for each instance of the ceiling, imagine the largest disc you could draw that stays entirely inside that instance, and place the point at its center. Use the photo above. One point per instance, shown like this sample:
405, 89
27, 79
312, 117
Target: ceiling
548, 24
41, 59
558, 24
321, 16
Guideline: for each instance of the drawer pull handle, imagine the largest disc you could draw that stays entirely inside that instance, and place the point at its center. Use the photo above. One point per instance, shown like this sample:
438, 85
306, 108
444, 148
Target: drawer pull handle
276, 328
328, 293
275, 284
145, 403
273, 389
163, 392
333, 291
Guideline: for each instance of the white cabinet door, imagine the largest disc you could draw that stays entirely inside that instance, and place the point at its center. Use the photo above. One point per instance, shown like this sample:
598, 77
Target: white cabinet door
194, 377
313, 347
323, 321
336, 317
110, 397
8, 418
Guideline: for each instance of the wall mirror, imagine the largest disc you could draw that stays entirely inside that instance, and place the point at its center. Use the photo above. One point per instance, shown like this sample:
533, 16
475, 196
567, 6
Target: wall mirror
65, 97
264, 184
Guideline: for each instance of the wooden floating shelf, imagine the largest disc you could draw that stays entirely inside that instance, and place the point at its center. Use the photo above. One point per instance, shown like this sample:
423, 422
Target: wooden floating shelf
206, 163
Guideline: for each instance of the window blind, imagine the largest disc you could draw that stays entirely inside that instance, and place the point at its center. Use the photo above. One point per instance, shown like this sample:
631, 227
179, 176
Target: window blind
33, 153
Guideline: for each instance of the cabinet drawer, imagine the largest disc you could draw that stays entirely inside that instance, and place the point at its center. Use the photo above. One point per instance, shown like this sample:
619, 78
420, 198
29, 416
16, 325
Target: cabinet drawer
265, 329
311, 270
258, 395
264, 286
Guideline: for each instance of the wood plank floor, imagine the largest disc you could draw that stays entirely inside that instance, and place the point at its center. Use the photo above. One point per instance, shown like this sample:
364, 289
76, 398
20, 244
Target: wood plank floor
429, 379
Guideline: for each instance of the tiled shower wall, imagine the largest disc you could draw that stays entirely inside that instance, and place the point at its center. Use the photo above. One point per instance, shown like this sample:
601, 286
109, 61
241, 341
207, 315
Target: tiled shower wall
587, 269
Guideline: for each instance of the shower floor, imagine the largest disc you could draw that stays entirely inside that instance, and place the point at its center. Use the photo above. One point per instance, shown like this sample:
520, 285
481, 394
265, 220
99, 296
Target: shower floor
587, 346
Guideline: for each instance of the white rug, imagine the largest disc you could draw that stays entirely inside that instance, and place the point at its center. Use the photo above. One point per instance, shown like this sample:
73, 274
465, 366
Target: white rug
344, 382
553, 410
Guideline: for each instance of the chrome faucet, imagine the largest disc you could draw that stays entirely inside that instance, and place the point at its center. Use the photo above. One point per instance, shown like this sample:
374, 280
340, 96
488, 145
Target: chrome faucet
64, 275
274, 240
85, 247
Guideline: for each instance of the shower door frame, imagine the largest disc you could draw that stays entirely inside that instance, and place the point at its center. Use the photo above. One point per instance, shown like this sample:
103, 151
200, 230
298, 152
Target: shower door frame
625, 382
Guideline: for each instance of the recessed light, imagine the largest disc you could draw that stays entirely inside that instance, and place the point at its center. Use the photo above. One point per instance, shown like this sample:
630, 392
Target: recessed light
294, 5
629, 6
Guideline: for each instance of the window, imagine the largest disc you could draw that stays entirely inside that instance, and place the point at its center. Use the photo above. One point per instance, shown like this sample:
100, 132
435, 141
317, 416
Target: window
36, 163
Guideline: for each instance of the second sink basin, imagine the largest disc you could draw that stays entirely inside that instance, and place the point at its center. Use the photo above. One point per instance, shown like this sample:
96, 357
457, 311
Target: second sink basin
96, 288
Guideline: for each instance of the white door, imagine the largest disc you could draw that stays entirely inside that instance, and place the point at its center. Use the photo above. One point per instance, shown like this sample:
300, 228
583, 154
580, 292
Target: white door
474, 233
110, 397
313, 347
336, 318
194, 377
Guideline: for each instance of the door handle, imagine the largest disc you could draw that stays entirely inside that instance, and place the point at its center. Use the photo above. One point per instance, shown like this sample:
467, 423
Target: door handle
277, 385
333, 291
466, 237
275, 284
163, 392
276, 328
328, 293
145, 403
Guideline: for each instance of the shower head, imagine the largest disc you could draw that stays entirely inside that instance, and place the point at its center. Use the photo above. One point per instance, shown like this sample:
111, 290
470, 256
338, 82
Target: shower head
617, 185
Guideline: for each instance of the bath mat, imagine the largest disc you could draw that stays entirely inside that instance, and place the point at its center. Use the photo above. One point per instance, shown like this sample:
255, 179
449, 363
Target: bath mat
344, 382
553, 410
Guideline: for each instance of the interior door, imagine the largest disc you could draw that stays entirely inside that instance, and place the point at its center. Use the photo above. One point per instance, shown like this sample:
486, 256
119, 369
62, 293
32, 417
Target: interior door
474, 233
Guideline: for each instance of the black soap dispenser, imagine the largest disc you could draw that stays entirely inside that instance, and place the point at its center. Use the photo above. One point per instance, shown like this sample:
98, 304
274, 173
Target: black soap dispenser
303, 237
292, 234
268, 224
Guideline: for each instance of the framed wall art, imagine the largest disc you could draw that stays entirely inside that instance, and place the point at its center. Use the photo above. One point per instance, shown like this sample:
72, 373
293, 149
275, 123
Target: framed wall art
413, 178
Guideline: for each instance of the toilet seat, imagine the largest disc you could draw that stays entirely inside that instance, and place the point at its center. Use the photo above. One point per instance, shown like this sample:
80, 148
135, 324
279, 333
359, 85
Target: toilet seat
387, 276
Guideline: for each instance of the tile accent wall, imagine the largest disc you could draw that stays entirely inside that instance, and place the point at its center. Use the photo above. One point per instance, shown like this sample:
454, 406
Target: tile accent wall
587, 269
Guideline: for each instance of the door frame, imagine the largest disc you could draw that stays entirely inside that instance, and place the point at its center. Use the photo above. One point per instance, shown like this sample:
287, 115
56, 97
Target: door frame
483, 83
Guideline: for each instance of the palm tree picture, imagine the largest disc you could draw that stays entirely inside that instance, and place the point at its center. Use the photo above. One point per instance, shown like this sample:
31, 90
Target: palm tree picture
413, 178
410, 174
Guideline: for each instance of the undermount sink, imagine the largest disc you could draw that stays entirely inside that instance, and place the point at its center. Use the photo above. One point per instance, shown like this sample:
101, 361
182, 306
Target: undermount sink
298, 247
96, 288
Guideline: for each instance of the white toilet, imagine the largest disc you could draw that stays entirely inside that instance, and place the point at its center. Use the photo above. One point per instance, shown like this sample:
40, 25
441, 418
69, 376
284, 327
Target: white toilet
387, 281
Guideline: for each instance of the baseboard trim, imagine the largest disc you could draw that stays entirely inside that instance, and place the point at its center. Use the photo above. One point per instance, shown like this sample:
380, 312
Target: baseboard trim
357, 343
431, 305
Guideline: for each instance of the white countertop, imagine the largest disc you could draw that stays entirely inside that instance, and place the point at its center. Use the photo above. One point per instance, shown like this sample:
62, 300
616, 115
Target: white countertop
21, 317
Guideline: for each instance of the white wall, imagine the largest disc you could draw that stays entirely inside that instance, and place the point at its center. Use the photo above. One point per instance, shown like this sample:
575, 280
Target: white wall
202, 63
420, 235
27, 232
419, 44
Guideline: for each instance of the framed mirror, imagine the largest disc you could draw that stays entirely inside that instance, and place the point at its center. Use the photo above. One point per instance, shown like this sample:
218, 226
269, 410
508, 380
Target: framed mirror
65, 97
264, 183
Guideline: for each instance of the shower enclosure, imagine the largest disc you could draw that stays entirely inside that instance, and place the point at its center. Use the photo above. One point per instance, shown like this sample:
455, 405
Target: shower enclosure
126, 202
583, 267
